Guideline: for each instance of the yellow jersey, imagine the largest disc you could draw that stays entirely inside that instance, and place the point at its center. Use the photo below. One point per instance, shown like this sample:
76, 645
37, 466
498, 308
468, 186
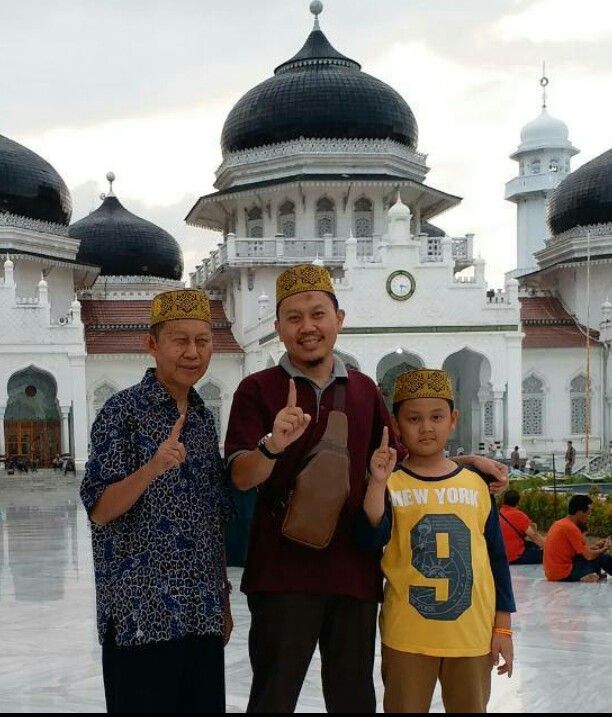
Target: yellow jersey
439, 592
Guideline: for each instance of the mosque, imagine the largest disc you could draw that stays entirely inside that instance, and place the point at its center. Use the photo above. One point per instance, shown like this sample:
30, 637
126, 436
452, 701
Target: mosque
321, 163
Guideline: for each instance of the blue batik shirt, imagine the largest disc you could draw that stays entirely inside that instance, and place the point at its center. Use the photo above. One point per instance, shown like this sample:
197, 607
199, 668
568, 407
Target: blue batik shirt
160, 567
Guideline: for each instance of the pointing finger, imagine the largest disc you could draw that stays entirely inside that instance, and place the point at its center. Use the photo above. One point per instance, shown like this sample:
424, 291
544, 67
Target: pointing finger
178, 426
384, 443
292, 399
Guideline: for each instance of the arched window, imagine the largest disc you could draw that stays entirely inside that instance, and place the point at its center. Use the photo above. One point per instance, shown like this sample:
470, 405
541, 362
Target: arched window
101, 396
255, 223
211, 395
578, 405
325, 218
534, 166
286, 219
533, 406
554, 165
363, 218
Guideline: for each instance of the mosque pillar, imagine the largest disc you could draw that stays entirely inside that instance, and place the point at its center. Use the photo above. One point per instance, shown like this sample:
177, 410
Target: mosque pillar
2, 443
65, 428
498, 416
79, 411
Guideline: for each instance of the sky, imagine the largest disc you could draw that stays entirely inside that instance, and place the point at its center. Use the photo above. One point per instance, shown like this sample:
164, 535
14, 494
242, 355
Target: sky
142, 88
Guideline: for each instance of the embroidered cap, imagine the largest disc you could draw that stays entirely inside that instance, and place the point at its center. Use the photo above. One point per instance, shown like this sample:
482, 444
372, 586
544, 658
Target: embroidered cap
304, 277
423, 383
181, 304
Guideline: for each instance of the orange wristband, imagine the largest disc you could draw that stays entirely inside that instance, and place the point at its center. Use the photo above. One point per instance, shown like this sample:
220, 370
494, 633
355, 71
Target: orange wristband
502, 631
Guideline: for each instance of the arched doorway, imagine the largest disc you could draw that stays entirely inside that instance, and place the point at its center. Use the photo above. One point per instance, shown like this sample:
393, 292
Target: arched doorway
390, 367
32, 425
347, 359
471, 375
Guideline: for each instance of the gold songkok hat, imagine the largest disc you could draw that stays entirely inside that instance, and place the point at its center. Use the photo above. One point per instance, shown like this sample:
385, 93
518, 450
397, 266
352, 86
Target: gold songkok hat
304, 277
181, 304
423, 383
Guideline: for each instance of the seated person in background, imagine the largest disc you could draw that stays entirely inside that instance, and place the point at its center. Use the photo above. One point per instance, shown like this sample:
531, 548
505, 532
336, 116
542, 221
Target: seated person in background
69, 466
567, 556
524, 545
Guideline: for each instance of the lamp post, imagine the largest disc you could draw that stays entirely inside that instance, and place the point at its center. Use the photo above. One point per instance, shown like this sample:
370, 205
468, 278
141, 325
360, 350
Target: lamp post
605, 336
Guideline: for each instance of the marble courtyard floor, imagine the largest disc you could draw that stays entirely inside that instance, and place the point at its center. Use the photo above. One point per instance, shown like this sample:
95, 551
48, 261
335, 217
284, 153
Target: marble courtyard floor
50, 659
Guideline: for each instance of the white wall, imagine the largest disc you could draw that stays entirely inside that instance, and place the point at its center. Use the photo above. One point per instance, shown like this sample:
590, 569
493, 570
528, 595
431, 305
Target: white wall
556, 368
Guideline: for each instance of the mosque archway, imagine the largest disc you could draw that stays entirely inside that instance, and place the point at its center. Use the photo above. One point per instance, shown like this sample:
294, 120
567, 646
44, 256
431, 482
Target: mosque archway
390, 367
32, 420
470, 372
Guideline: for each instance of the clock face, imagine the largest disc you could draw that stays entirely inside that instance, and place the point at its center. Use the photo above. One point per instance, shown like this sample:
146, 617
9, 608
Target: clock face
401, 285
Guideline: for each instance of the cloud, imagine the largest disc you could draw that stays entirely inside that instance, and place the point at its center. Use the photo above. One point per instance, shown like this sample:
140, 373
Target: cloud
558, 21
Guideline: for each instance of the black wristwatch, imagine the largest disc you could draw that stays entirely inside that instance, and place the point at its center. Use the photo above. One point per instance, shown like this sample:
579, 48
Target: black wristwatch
265, 450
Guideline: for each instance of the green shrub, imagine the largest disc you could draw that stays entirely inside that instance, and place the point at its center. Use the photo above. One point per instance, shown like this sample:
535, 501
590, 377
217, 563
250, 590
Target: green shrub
543, 509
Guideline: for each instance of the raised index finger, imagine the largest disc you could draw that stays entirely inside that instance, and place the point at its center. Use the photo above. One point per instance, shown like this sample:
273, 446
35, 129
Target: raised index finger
175, 433
384, 443
292, 398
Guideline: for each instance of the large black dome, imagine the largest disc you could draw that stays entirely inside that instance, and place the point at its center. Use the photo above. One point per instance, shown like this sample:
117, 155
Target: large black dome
584, 197
318, 93
123, 244
30, 187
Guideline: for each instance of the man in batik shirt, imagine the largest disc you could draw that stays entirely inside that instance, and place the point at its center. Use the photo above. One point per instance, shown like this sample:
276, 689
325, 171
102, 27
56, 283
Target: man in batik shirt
155, 492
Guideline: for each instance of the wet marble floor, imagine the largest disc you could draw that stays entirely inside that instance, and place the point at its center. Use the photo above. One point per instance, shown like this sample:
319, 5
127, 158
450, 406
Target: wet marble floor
50, 659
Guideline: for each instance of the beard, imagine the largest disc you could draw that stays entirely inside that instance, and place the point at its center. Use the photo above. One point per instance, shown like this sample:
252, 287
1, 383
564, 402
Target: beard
313, 363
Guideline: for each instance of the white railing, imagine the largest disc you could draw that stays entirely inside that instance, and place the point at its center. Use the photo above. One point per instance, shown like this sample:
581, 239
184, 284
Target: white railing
497, 296
431, 249
241, 251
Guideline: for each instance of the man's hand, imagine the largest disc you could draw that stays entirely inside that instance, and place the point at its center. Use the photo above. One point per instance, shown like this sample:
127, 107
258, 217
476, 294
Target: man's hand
171, 453
289, 424
384, 460
501, 645
228, 620
497, 471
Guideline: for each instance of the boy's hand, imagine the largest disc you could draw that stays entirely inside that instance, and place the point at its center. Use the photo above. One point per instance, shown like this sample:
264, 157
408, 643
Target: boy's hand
384, 459
502, 645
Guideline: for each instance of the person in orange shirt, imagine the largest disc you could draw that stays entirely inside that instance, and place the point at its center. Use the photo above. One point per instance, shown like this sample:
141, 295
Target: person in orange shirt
567, 556
522, 541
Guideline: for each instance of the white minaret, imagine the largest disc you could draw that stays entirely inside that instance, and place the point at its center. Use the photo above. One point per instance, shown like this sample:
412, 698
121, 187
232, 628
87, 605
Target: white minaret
543, 156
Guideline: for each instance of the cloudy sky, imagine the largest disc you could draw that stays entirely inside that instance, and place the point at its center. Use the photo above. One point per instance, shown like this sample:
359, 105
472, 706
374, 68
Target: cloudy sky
142, 87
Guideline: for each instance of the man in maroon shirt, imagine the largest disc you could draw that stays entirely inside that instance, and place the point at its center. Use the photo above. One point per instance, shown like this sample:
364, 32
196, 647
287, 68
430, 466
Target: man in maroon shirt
298, 596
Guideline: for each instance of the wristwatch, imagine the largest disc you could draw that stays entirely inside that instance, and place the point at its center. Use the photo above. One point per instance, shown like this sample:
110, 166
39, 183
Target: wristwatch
265, 450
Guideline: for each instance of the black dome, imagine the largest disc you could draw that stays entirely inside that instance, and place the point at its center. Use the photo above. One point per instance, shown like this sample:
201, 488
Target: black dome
322, 94
30, 187
432, 230
123, 244
584, 197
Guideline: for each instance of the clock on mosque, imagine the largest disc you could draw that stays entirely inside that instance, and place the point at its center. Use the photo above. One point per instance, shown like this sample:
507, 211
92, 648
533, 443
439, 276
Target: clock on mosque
401, 285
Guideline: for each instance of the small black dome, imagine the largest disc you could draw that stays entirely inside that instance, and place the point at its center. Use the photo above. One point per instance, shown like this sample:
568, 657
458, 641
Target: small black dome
30, 187
318, 93
432, 230
584, 197
123, 244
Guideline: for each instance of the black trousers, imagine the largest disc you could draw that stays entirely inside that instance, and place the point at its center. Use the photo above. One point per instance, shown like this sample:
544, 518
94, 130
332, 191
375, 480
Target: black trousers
285, 630
185, 675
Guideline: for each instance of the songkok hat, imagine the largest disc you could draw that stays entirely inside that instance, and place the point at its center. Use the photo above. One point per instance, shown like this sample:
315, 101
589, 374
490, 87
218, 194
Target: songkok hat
304, 277
423, 383
181, 304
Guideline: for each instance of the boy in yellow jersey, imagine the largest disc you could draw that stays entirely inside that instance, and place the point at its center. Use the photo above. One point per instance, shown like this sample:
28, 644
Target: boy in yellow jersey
448, 595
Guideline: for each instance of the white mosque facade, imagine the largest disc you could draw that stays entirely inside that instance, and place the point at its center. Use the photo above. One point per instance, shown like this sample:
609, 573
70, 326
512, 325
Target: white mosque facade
320, 164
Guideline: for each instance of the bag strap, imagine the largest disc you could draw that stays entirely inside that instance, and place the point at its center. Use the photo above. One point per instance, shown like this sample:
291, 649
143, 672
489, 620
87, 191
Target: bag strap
340, 395
516, 530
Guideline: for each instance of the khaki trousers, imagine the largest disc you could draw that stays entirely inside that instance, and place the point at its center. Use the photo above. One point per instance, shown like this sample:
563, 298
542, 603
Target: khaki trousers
410, 681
